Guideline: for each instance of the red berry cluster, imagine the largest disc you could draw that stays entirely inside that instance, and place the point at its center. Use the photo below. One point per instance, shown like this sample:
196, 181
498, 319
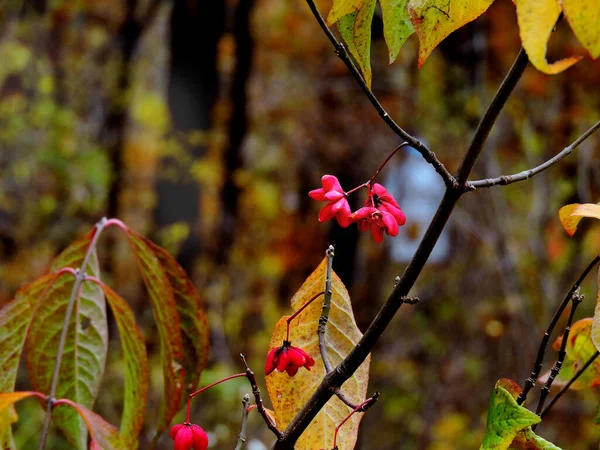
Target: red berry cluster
289, 359
380, 212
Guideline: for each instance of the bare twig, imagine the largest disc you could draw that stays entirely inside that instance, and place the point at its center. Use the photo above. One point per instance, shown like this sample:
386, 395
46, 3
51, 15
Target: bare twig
245, 411
526, 174
79, 278
537, 367
341, 51
566, 387
324, 318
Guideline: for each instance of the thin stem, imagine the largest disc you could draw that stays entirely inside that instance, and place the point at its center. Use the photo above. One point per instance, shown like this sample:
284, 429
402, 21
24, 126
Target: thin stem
489, 117
398, 296
258, 400
324, 318
404, 144
245, 411
79, 278
199, 391
566, 387
364, 185
364, 406
526, 174
340, 50
537, 367
302, 308
562, 353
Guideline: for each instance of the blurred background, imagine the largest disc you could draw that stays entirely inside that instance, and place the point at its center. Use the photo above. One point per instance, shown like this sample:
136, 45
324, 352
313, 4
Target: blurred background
203, 124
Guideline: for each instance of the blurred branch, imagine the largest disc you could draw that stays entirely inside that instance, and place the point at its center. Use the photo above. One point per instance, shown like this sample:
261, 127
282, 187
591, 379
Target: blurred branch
245, 411
566, 387
342, 53
537, 367
398, 296
526, 174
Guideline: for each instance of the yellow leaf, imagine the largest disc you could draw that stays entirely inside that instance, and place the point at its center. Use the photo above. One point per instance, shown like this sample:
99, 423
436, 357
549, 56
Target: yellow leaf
584, 17
568, 221
289, 394
342, 8
537, 19
435, 19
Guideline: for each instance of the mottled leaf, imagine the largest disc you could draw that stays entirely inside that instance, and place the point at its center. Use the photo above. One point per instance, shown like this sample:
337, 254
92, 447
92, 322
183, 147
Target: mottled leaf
537, 19
580, 348
505, 419
103, 435
570, 215
341, 8
584, 17
136, 368
528, 440
289, 394
397, 26
86, 342
434, 20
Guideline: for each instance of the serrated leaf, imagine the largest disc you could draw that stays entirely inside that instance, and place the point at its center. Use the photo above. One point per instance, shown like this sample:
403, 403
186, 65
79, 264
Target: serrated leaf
86, 342
355, 29
15, 318
289, 394
341, 8
434, 20
580, 348
104, 436
505, 419
397, 26
584, 17
570, 215
136, 368
537, 19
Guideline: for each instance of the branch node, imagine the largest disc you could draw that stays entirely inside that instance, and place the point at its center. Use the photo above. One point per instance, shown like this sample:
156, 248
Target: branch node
410, 300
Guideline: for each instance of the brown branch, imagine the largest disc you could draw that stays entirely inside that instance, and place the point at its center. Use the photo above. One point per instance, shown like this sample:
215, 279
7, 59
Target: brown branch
526, 174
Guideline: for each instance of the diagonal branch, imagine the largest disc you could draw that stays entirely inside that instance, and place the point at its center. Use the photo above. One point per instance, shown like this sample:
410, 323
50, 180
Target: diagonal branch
341, 51
526, 174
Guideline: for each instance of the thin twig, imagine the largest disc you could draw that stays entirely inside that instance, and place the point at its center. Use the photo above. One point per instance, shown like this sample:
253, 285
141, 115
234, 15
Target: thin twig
562, 353
364, 406
526, 174
566, 387
324, 318
341, 51
245, 411
537, 366
258, 400
386, 313
79, 278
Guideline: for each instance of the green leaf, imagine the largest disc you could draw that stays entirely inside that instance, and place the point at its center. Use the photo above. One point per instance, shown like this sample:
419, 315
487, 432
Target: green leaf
103, 435
342, 8
505, 419
15, 318
397, 26
86, 342
355, 29
136, 368
528, 440
180, 318
434, 20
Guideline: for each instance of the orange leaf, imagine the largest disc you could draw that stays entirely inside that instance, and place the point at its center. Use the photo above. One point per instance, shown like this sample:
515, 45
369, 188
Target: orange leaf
570, 215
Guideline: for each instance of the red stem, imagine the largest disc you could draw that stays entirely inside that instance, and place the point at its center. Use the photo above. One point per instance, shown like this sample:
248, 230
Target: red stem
293, 316
359, 407
193, 394
404, 144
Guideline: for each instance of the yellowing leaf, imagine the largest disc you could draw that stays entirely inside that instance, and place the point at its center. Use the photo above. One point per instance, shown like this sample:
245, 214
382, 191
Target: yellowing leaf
397, 26
584, 17
570, 215
537, 19
288, 394
435, 19
355, 29
528, 440
342, 8
580, 347
8, 415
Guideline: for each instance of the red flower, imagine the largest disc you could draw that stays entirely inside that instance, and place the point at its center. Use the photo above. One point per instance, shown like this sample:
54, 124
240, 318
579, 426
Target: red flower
288, 358
380, 213
333, 193
189, 436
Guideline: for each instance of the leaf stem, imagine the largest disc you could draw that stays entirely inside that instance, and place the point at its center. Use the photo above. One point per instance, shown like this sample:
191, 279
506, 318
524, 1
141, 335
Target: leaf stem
537, 366
526, 174
79, 278
342, 53
245, 411
566, 387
